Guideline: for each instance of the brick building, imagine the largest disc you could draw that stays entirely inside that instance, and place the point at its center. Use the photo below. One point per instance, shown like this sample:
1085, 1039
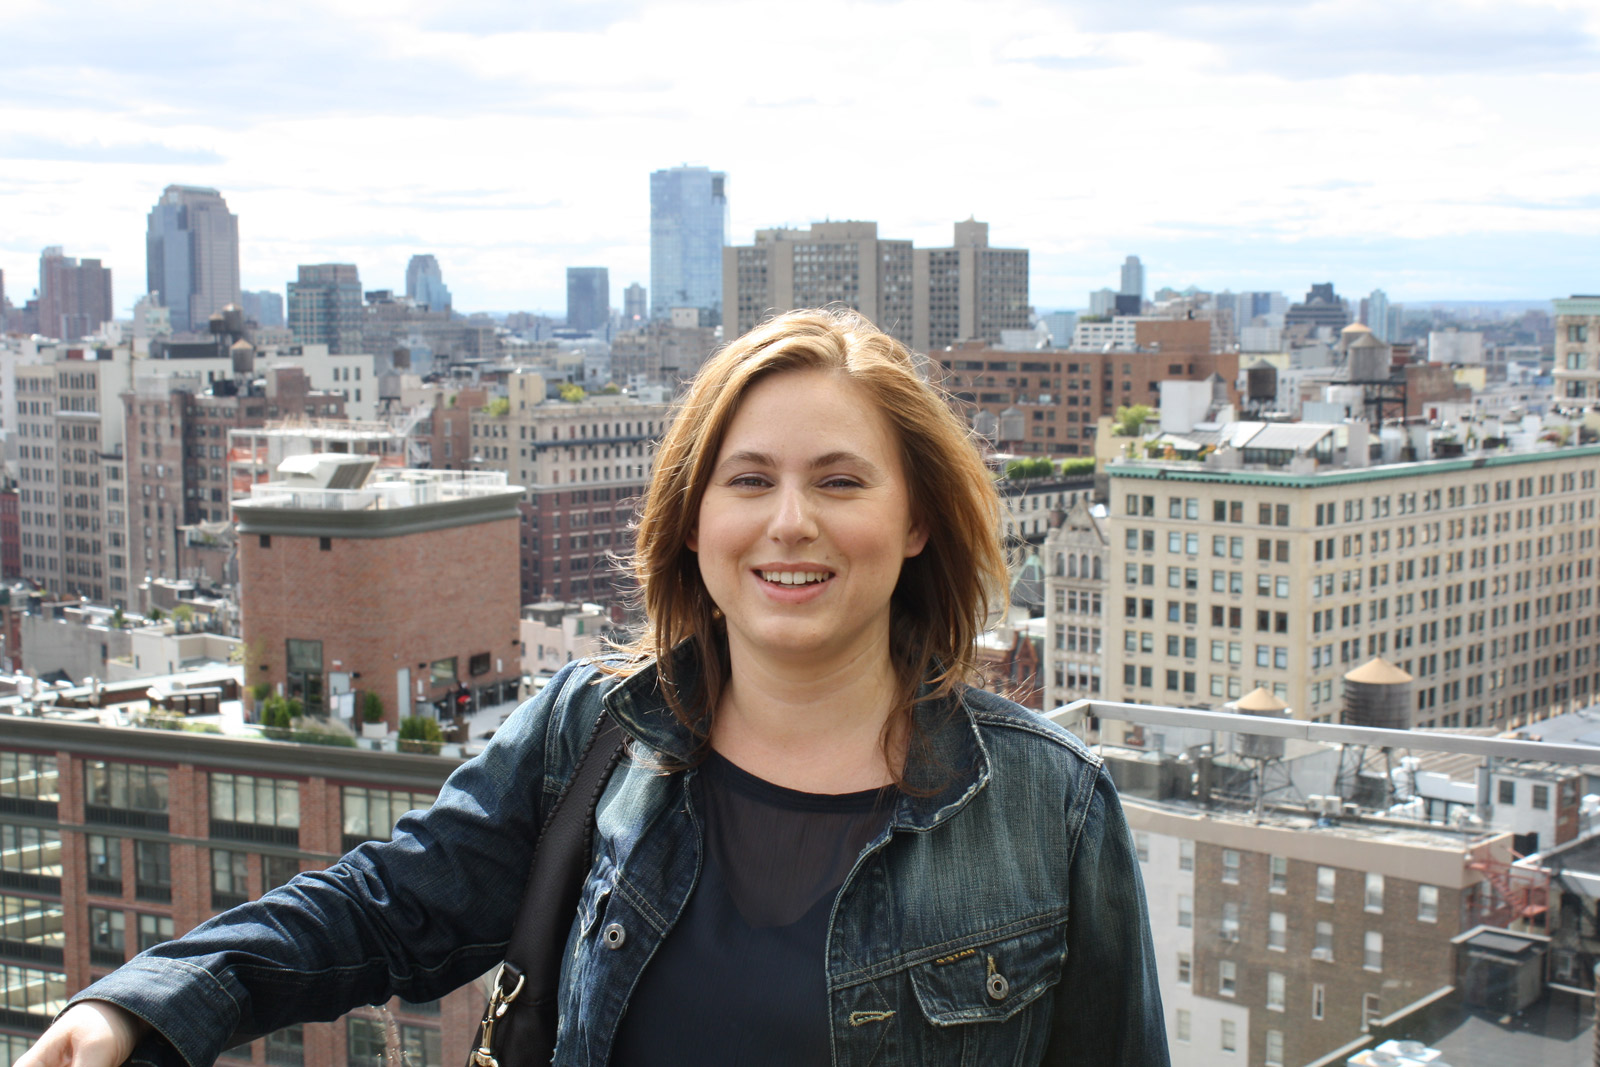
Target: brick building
397, 585
1048, 402
112, 839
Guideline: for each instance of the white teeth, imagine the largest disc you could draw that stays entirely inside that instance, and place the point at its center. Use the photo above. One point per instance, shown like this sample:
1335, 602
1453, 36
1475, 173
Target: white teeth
793, 577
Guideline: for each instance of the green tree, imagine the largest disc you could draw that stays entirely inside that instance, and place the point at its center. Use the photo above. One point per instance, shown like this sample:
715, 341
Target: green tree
572, 392
1130, 419
497, 407
371, 707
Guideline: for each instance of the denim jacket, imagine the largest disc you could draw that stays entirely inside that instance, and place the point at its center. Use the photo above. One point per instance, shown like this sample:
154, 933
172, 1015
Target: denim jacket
998, 918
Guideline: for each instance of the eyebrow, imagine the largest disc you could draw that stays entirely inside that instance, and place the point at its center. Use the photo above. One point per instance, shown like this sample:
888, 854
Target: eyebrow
829, 459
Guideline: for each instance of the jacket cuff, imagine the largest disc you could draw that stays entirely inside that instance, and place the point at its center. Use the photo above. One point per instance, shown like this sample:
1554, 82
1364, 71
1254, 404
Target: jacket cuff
184, 1004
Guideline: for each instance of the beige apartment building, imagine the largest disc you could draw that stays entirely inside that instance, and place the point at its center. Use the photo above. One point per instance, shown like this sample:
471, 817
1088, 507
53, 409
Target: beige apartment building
926, 298
1578, 348
583, 467
1474, 575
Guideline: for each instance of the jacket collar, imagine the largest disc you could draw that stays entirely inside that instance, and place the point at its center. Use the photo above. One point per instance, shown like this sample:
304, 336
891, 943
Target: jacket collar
943, 772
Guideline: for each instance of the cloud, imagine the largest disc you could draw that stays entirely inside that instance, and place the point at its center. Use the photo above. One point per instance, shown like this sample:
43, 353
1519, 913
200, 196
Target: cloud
1328, 38
1072, 64
25, 146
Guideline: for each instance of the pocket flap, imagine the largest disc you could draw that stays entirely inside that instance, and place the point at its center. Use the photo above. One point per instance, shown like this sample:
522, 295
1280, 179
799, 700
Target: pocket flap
990, 981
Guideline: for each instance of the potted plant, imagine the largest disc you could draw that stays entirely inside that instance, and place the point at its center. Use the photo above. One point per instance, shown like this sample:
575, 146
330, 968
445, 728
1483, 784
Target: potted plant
372, 724
420, 733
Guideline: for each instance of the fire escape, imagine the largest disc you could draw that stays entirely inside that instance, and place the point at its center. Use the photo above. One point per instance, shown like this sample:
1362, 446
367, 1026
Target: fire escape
1509, 894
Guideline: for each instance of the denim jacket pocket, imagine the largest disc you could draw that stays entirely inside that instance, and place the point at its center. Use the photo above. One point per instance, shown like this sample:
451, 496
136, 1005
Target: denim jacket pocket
990, 981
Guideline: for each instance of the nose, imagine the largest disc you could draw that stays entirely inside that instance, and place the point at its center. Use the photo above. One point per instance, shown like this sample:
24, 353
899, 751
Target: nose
793, 520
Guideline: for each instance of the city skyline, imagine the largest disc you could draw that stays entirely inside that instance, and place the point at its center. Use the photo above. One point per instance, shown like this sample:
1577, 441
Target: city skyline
1412, 149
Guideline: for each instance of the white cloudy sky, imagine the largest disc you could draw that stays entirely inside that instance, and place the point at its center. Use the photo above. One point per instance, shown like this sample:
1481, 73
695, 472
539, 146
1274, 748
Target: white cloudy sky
1436, 148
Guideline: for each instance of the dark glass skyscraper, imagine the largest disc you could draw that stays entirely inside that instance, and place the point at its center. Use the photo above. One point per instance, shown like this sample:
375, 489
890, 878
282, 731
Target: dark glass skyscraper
688, 227
192, 255
588, 298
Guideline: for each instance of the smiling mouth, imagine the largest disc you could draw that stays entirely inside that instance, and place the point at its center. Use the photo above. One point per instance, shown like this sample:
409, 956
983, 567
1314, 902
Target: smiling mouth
795, 577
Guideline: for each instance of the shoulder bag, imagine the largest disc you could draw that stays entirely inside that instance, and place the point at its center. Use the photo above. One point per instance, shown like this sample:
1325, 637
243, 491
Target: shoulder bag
519, 1022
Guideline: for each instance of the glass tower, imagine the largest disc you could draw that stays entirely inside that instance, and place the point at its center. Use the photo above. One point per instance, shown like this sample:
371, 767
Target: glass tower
688, 227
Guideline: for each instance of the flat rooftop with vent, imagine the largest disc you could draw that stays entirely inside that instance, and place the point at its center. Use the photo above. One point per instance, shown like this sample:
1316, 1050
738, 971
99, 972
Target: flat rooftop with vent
356, 579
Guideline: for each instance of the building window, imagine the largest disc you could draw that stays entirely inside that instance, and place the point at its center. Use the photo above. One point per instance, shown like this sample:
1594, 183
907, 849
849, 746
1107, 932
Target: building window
248, 808
1280, 875
1185, 968
154, 929
1541, 798
1276, 999
1230, 866
1318, 999
1230, 921
370, 814
287, 1047
420, 1046
1185, 853
1508, 791
107, 937
1230, 1035
1324, 945
29, 782
1274, 1048
442, 671
325, 544
105, 864
277, 870
1427, 903
1227, 977
32, 928
1185, 1025
1372, 958
264, 540
228, 875
365, 1043
1185, 910
152, 871
1141, 844
1278, 931
125, 794
1374, 896
1325, 883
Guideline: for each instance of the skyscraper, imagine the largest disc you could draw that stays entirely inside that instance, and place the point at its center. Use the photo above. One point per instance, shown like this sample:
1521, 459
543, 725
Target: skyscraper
688, 228
74, 297
634, 307
1377, 316
1132, 278
192, 255
588, 298
425, 283
325, 307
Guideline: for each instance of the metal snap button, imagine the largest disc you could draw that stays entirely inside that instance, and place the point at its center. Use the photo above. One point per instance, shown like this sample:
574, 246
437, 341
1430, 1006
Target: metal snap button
613, 935
999, 988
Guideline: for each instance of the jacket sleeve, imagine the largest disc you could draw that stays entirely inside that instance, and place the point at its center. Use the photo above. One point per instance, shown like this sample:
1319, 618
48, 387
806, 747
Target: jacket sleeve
416, 916
1108, 1005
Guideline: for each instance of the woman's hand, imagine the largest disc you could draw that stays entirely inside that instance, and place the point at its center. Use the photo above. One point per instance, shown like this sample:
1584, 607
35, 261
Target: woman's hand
92, 1033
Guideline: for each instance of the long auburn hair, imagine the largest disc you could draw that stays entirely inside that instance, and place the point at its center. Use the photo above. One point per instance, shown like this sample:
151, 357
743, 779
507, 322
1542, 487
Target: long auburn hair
945, 593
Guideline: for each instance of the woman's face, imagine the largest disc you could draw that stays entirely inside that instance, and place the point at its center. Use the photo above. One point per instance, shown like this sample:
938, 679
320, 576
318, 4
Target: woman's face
805, 522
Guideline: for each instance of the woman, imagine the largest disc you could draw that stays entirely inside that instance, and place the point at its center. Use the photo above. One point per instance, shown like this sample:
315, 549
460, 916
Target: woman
823, 844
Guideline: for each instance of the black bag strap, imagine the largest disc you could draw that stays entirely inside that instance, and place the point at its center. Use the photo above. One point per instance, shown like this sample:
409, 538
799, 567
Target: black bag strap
530, 978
